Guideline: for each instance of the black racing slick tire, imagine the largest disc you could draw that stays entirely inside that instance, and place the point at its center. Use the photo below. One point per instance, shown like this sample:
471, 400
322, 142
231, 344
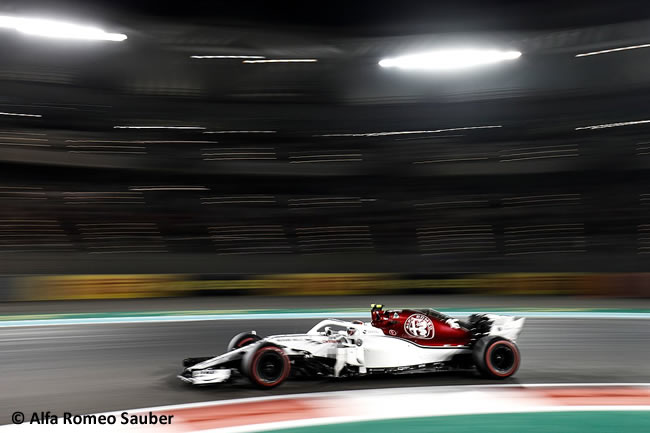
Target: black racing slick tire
496, 357
266, 365
243, 339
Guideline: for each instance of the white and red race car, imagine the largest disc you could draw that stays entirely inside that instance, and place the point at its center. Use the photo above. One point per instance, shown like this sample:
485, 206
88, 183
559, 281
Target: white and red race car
395, 341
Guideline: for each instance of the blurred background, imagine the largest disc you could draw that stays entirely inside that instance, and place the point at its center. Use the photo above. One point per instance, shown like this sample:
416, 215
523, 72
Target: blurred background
326, 148
225, 140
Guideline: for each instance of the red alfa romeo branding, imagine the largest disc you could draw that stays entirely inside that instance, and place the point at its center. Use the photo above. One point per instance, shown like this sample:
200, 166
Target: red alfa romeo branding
419, 326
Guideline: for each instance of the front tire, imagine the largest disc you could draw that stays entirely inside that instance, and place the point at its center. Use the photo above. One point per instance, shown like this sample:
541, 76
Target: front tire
266, 365
496, 358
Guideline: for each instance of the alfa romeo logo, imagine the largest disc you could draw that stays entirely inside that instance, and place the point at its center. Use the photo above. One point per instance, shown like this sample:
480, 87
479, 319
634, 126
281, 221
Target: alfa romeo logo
419, 326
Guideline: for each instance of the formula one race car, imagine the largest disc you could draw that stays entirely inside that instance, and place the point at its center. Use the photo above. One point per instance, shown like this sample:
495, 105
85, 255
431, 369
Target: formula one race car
396, 341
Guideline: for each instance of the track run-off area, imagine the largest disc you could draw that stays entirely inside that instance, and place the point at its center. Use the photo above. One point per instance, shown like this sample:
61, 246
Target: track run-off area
600, 408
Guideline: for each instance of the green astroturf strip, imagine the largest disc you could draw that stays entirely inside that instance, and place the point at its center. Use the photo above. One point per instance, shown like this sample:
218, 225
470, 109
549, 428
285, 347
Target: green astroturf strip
535, 422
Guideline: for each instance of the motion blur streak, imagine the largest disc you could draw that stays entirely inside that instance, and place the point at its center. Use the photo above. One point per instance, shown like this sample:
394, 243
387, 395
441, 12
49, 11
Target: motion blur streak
141, 141
387, 133
613, 125
169, 188
449, 59
157, 127
240, 132
58, 29
282, 61
19, 114
613, 50
227, 57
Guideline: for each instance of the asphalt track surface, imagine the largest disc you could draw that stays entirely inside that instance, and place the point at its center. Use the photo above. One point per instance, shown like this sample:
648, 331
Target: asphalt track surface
96, 368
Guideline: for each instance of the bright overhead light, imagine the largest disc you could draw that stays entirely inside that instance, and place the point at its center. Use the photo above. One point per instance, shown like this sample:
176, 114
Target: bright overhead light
227, 57
57, 29
282, 61
449, 59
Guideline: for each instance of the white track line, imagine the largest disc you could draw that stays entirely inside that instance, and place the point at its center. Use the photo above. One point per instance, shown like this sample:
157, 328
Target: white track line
314, 315
388, 390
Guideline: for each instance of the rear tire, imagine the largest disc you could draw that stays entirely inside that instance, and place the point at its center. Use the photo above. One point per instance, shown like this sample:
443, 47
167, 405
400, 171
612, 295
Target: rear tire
266, 365
243, 339
496, 357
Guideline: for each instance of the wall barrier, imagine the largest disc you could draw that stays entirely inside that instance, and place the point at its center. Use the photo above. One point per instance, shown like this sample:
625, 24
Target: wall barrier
76, 287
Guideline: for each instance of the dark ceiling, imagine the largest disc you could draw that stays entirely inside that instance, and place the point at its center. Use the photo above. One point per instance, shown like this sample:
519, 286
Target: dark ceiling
361, 17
